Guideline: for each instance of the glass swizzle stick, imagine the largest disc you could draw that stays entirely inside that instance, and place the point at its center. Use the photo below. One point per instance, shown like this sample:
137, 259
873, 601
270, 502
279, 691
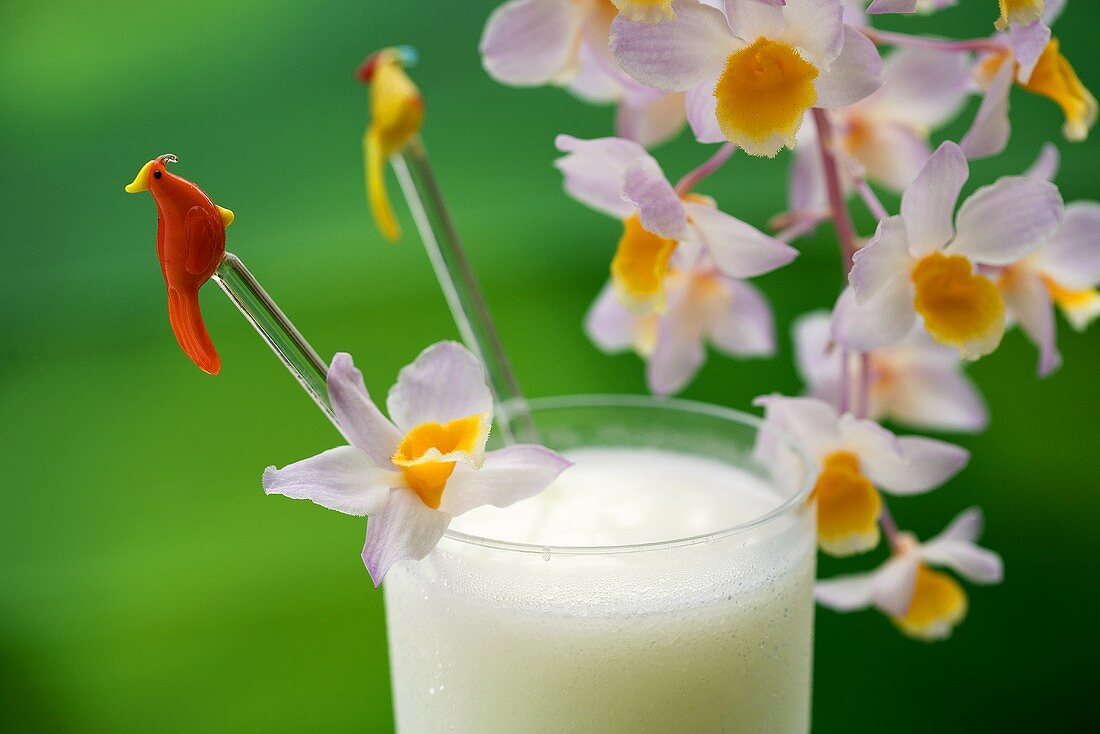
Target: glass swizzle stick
397, 112
191, 250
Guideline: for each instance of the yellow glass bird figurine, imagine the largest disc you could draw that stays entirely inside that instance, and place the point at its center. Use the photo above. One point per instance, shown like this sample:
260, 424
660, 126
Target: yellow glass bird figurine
397, 113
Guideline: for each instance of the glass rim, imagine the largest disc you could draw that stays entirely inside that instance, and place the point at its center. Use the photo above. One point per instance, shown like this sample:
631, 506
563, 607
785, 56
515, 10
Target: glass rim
730, 415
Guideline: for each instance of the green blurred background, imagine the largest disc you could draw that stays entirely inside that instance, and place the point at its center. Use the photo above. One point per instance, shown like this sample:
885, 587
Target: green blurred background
146, 582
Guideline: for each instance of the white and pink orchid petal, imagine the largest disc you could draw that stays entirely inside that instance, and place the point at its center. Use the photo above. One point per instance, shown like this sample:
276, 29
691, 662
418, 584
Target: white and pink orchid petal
1028, 299
873, 444
508, 475
924, 464
937, 399
651, 124
344, 479
1072, 256
881, 7
846, 593
404, 529
752, 20
444, 383
674, 55
360, 420
882, 260
922, 87
817, 356
610, 325
1052, 10
893, 154
1007, 220
531, 42
593, 171
598, 80
679, 351
745, 327
700, 105
894, 583
738, 249
955, 548
854, 75
974, 563
811, 422
817, 28
1046, 166
928, 205
660, 209
967, 527
1028, 43
806, 184
882, 319
988, 134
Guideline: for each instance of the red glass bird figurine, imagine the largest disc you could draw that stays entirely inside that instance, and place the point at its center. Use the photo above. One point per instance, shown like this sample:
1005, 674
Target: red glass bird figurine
190, 244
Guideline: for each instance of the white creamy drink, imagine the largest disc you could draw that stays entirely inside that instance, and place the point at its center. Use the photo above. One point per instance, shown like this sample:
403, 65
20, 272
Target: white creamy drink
708, 636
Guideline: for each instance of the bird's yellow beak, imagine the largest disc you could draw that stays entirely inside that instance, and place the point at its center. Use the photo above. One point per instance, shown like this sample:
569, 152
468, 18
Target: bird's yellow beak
141, 180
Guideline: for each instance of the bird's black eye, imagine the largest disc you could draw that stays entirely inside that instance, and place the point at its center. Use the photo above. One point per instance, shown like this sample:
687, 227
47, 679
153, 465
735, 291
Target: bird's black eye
156, 174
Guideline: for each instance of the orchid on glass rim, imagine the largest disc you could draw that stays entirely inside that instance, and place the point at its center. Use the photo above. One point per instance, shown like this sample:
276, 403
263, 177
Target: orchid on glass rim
924, 262
425, 464
856, 459
923, 602
752, 71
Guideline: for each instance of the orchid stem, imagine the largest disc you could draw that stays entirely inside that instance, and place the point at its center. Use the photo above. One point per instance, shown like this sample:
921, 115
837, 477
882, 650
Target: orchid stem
834, 187
871, 200
693, 178
464, 296
889, 38
285, 340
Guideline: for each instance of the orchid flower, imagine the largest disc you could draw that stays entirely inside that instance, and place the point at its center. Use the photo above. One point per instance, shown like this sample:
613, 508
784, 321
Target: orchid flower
701, 305
1063, 272
856, 459
1033, 59
565, 42
750, 73
920, 263
924, 603
915, 382
618, 178
884, 138
411, 473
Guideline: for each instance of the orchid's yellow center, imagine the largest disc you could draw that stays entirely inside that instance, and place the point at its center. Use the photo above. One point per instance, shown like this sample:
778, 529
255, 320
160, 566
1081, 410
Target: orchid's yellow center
960, 307
423, 454
848, 506
938, 605
1056, 80
762, 95
646, 11
988, 67
1019, 13
640, 264
1081, 307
